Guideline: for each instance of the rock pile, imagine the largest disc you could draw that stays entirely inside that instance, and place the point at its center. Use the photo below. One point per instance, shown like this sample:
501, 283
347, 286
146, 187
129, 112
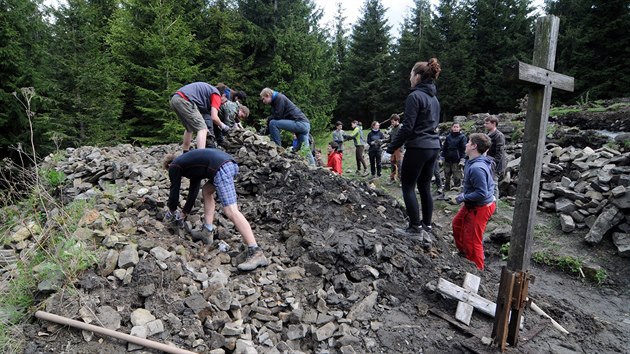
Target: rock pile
339, 281
589, 189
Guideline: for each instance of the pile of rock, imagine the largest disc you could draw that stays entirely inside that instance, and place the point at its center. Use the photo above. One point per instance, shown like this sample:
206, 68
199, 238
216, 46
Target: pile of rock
588, 189
335, 265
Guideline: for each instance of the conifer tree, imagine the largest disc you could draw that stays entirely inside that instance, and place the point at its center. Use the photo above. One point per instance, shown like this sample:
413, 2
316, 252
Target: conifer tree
24, 63
153, 44
87, 89
503, 33
593, 46
454, 47
368, 75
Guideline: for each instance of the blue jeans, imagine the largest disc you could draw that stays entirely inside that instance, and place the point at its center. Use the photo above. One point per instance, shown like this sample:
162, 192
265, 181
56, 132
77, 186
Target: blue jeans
301, 129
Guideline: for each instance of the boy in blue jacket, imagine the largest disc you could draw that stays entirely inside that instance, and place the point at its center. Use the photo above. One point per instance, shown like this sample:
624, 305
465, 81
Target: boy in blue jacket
478, 197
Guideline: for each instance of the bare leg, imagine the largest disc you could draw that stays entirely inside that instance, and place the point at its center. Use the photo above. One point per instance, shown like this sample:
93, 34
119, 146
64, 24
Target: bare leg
241, 224
187, 140
208, 203
201, 138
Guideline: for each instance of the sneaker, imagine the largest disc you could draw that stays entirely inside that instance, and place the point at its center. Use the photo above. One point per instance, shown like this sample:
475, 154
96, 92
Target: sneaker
204, 236
255, 258
412, 231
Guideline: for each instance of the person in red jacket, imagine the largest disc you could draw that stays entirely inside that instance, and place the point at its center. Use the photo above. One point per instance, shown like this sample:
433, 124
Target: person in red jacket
334, 158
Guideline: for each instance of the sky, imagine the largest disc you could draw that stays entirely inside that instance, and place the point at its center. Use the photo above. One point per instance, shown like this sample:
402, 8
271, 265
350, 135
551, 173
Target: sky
396, 11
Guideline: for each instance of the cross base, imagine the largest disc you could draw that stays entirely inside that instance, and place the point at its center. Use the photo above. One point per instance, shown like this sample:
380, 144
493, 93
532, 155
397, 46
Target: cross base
511, 302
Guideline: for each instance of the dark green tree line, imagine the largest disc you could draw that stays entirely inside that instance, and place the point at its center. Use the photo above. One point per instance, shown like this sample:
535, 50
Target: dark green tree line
103, 70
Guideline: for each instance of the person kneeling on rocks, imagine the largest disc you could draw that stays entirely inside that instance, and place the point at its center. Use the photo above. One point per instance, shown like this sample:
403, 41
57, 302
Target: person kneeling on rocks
219, 168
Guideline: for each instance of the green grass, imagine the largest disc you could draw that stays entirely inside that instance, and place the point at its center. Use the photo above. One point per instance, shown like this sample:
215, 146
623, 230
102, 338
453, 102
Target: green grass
58, 254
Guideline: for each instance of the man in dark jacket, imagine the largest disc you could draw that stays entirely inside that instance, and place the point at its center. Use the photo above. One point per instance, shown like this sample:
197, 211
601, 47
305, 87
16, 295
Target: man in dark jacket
479, 203
453, 155
219, 168
496, 151
286, 116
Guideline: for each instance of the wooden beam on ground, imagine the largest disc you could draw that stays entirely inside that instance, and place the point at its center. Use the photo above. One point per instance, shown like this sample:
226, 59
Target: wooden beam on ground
465, 295
464, 310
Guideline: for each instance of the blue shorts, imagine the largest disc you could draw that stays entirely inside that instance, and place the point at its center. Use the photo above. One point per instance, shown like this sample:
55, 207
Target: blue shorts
224, 183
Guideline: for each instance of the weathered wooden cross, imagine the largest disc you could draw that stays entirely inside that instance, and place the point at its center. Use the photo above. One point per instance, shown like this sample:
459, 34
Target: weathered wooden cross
542, 79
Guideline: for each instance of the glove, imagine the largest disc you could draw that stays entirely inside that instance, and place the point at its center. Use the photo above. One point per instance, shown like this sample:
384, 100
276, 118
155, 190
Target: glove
441, 161
226, 129
460, 198
389, 150
462, 162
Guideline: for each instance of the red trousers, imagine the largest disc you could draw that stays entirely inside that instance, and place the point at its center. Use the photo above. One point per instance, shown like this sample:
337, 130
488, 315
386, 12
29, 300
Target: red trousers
468, 227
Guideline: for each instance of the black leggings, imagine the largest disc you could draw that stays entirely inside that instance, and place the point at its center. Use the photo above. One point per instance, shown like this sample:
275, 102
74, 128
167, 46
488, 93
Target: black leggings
417, 170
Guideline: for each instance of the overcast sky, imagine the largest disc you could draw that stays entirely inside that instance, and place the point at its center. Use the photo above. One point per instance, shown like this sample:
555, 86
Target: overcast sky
396, 11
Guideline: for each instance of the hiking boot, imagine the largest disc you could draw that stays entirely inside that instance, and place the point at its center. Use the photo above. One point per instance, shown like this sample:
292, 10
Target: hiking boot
204, 236
412, 231
255, 258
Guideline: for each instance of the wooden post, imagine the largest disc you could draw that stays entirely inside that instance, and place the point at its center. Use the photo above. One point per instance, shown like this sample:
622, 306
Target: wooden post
541, 79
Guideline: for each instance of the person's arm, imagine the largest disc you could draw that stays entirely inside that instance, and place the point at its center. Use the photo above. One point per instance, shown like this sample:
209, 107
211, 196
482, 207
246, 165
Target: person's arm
500, 153
412, 106
193, 191
336, 164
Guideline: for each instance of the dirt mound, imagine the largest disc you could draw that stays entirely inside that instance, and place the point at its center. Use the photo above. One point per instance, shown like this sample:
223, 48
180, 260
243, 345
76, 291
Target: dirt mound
339, 280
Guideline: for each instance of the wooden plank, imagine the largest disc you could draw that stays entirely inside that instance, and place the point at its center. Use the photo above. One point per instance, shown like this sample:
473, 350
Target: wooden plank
504, 301
532, 75
458, 293
456, 324
464, 311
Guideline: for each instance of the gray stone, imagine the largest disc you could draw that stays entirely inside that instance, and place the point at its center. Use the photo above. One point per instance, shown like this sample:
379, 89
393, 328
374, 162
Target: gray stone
618, 191
233, 328
160, 253
565, 182
347, 349
128, 256
154, 327
244, 347
293, 273
326, 331
362, 310
221, 298
622, 201
196, 302
622, 242
141, 317
108, 317
108, 263
566, 222
146, 290
610, 217
564, 205
297, 331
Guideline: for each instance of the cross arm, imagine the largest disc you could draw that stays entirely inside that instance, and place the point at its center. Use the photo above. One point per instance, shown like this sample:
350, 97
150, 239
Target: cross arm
533, 75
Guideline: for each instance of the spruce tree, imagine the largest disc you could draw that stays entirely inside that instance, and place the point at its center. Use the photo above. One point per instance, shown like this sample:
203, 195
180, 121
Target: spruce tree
457, 88
593, 47
368, 75
503, 32
153, 44
87, 89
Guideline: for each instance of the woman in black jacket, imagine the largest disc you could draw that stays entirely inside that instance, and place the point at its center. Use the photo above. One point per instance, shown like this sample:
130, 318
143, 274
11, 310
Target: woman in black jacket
422, 143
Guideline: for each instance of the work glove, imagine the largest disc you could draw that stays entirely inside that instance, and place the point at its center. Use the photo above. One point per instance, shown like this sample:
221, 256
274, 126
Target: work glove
460, 198
462, 162
175, 219
226, 129
441, 161
390, 150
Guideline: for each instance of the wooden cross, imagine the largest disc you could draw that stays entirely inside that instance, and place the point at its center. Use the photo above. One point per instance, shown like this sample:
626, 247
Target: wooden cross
542, 79
467, 297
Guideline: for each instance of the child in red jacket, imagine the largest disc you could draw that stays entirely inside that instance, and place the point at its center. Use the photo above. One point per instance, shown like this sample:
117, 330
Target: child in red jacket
334, 158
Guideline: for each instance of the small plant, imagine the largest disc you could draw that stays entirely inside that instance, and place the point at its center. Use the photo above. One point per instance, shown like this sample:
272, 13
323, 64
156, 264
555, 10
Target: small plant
570, 264
504, 251
600, 276
53, 177
583, 100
